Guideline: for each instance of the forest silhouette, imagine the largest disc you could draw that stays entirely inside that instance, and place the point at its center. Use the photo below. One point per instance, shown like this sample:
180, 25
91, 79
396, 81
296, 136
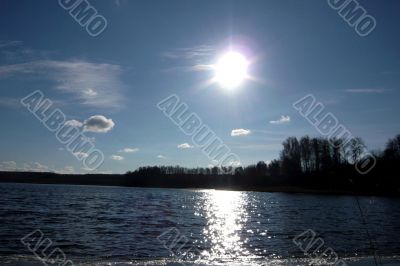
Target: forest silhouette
305, 165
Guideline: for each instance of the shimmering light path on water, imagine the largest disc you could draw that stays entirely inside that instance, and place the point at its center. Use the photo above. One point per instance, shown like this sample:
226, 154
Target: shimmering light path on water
115, 224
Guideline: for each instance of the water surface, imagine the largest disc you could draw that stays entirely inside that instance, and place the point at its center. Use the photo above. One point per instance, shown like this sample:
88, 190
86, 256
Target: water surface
96, 225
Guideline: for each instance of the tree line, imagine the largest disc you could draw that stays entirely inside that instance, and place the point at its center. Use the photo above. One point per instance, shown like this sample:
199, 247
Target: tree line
299, 156
304, 165
313, 162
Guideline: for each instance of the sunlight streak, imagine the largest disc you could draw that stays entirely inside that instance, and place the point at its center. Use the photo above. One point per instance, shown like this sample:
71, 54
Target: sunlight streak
225, 212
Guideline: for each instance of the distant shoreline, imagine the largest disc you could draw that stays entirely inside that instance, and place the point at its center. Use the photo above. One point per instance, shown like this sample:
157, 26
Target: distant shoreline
124, 180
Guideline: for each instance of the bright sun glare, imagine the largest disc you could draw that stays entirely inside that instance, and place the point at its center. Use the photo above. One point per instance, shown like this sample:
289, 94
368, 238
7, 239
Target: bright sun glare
231, 70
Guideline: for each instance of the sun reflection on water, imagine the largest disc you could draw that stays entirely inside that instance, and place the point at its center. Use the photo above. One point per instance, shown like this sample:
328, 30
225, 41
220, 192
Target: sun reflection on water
225, 213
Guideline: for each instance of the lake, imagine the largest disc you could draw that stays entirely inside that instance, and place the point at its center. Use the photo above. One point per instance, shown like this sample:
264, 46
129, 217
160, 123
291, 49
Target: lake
94, 225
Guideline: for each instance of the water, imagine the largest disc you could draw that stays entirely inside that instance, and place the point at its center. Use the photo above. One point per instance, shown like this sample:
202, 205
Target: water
96, 225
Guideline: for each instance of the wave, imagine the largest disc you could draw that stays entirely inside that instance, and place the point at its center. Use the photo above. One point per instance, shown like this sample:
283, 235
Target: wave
351, 261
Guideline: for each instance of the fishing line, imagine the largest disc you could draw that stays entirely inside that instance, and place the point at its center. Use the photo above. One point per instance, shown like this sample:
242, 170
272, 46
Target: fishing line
371, 243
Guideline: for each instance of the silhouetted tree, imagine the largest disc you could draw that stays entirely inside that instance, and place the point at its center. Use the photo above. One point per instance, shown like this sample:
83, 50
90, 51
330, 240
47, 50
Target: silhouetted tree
305, 153
356, 149
274, 168
290, 156
239, 171
316, 154
392, 150
261, 169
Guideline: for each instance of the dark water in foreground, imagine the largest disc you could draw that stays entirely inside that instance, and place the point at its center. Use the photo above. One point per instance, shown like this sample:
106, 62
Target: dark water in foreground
103, 225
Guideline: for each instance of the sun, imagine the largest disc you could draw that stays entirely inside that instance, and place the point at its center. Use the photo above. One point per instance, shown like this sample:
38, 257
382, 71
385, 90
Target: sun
231, 70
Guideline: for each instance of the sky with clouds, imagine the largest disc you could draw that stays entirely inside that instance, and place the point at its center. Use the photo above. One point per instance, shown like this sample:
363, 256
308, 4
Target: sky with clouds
109, 85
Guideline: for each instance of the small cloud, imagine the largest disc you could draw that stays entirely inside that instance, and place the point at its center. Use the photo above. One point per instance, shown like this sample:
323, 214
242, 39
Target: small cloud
184, 146
365, 90
90, 92
190, 52
98, 124
86, 169
190, 68
81, 155
235, 163
193, 56
283, 119
201, 68
35, 167
129, 150
8, 166
67, 170
161, 157
73, 123
240, 132
116, 158
88, 139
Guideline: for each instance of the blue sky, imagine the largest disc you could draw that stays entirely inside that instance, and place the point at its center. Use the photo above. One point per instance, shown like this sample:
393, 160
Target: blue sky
149, 51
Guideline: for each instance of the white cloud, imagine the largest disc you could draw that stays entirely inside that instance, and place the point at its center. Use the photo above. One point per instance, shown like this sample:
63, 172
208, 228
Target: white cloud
8, 166
201, 67
36, 167
184, 146
90, 92
161, 157
88, 139
190, 52
281, 120
194, 57
116, 158
75, 77
366, 90
73, 123
95, 123
235, 163
129, 150
67, 170
194, 68
240, 132
28, 167
98, 123
81, 155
